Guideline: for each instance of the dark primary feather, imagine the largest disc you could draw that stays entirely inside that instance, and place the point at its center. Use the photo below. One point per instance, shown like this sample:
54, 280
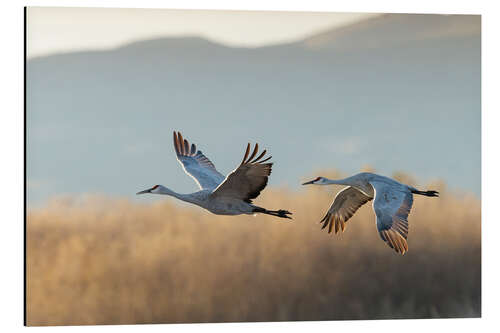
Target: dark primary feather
249, 179
345, 204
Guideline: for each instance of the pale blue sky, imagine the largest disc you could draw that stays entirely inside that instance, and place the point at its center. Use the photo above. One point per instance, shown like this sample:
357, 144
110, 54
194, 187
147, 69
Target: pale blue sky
101, 122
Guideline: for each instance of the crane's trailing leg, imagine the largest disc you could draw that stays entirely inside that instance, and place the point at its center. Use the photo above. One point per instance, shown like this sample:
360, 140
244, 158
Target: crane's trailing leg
279, 213
426, 193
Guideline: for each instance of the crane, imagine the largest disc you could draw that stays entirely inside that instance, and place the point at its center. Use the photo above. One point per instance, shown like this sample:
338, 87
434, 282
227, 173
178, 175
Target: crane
231, 195
392, 204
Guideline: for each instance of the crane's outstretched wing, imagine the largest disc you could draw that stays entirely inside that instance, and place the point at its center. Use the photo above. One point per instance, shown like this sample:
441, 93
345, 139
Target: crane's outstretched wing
195, 164
248, 179
392, 206
345, 204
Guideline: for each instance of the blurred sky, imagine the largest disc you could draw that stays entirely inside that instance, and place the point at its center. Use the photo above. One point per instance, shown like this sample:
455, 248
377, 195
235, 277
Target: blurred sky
57, 29
102, 122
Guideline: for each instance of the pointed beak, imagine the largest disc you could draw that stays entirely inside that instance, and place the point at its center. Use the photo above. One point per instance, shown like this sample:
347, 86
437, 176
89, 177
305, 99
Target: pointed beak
308, 183
145, 191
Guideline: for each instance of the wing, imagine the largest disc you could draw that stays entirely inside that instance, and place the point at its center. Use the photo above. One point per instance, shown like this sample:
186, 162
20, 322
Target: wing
392, 206
249, 178
195, 164
345, 204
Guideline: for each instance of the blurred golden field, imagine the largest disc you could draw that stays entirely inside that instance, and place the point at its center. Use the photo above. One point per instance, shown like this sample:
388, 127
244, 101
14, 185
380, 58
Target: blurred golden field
113, 261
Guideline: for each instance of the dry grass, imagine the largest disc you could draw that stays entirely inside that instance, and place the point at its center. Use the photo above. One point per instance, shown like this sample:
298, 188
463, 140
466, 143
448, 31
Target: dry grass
111, 261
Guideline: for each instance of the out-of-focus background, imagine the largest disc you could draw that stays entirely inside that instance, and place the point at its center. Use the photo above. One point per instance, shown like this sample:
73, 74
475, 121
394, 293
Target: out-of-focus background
399, 93
103, 260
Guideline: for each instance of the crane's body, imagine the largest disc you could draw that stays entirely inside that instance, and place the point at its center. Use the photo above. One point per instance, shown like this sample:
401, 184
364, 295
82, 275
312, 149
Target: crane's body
231, 195
205, 199
392, 204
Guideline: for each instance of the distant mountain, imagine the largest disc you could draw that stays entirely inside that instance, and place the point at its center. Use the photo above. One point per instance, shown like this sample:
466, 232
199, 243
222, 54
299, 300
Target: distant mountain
395, 30
397, 91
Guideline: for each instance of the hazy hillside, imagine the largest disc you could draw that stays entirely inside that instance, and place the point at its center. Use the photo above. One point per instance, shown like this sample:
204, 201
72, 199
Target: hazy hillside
391, 30
399, 92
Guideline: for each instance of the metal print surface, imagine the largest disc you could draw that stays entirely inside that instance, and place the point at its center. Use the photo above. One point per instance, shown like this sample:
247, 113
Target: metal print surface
383, 108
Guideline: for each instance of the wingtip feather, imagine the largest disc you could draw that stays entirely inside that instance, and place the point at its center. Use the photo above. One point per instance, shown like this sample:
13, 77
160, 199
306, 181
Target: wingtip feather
266, 159
256, 148
247, 151
258, 157
186, 147
175, 144
180, 141
395, 241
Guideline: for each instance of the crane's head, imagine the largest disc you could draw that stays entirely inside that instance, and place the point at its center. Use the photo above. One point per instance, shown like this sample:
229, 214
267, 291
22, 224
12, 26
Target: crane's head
154, 189
316, 181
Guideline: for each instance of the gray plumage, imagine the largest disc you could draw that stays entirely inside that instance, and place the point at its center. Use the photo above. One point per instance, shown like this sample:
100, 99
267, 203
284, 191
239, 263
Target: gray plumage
196, 165
392, 204
231, 195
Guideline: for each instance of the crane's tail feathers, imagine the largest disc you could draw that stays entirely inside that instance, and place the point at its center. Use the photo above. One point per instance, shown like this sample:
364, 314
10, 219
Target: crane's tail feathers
278, 213
426, 193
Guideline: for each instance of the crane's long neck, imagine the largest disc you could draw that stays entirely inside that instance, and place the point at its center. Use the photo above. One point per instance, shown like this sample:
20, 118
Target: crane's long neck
360, 185
344, 181
184, 197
